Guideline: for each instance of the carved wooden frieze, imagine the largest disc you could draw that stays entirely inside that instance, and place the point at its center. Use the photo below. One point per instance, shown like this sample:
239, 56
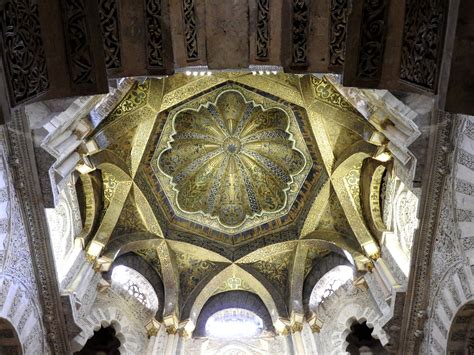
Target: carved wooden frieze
372, 39
300, 24
23, 53
422, 42
338, 31
190, 30
263, 29
109, 23
78, 42
154, 34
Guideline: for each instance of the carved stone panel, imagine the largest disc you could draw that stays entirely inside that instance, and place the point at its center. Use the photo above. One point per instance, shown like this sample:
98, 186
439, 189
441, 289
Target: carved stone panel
372, 39
24, 58
300, 24
190, 30
154, 34
338, 30
157, 37
84, 49
109, 23
422, 42
263, 29
77, 42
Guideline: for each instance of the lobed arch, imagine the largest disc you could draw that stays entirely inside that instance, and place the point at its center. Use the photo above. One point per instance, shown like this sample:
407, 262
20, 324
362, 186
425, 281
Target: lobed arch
113, 317
340, 310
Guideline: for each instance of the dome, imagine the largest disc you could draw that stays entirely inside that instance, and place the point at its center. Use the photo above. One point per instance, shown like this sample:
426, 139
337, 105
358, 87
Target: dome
231, 159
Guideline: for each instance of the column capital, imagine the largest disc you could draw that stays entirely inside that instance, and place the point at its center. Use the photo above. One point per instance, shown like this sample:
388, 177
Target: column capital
186, 328
315, 323
171, 323
152, 327
296, 322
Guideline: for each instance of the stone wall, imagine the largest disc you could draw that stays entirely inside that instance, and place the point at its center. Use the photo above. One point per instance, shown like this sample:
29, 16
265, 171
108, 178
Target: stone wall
452, 281
19, 302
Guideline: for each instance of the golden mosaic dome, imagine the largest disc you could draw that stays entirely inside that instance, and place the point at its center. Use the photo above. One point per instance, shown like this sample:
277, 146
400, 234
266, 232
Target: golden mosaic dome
231, 159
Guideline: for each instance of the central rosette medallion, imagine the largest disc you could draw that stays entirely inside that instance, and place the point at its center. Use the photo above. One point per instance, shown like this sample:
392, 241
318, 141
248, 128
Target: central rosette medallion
230, 159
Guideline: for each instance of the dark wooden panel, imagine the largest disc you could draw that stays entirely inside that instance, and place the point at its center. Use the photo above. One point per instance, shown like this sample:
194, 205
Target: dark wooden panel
265, 30
318, 38
458, 84
393, 46
110, 25
295, 31
188, 31
159, 52
84, 47
422, 43
227, 34
365, 43
339, 14
23, 55
132, 34
145, 38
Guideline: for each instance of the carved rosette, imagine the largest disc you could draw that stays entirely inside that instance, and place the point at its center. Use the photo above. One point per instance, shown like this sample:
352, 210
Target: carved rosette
232, 163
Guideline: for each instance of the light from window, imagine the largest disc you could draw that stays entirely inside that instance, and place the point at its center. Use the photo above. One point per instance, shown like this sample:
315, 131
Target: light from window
133, 284
329, 283
232, 323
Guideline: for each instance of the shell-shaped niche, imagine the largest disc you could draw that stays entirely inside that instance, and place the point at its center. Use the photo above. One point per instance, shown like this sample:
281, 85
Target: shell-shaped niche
231, 159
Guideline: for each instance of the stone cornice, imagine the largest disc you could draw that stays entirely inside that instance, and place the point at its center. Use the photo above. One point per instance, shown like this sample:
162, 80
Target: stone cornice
26, 181
417, 296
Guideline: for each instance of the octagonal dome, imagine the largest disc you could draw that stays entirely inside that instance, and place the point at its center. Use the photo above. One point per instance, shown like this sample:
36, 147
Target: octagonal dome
231, 160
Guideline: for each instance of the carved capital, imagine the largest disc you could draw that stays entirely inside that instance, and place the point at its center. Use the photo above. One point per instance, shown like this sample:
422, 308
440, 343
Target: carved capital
171, 323
296, 322
186, 328
152, 328
315, 323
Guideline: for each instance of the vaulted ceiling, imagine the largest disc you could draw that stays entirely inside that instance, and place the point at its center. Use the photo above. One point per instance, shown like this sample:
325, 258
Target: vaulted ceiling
233, 179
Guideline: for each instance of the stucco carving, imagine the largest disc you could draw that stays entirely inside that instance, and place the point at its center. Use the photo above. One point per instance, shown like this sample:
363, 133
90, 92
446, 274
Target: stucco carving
451, 277
18, 291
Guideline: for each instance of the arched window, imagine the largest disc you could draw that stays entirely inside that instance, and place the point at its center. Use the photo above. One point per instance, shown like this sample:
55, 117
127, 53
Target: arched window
131, 283
234, 323
329, 283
